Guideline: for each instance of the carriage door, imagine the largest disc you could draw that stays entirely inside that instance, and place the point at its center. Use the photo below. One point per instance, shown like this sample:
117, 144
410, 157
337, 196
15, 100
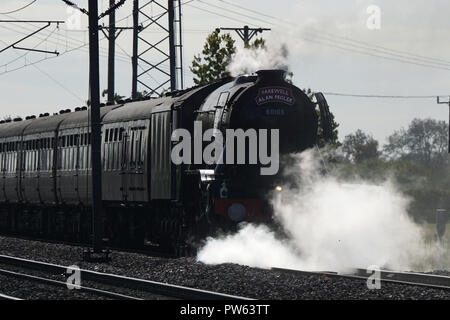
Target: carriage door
133, 172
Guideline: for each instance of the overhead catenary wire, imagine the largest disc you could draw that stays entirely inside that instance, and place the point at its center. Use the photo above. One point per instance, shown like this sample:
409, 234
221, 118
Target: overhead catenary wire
351, 45
291, 23
68, 49
69, 40
53, 79
354, 46
219, 14
19, 9
382, 96
432, 61
25, 54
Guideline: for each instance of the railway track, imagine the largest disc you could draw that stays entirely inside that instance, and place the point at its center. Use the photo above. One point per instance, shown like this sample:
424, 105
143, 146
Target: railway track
152, 289
145, 250
386, 276
6, 297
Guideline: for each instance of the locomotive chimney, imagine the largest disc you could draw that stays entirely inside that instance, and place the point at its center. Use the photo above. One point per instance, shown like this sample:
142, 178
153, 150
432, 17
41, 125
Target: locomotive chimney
271, 75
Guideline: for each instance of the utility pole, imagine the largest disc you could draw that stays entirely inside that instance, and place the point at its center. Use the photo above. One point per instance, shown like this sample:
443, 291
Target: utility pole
448, 103
98, 254
111, 52
151, 55
246, 33
94, 92
112, 35
134, 59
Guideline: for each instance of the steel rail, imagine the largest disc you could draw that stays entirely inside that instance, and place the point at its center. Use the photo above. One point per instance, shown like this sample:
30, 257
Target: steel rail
6, 297
149, 286
52, 282
397, 277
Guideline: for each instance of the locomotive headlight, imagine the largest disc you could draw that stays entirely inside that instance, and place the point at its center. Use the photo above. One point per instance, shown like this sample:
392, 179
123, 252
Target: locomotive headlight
237, 212
279, 188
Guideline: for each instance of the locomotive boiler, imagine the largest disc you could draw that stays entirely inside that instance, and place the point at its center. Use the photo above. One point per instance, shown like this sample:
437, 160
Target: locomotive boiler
148, 198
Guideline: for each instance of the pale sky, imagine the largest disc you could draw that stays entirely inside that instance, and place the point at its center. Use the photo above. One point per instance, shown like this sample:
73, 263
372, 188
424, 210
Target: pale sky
331, 50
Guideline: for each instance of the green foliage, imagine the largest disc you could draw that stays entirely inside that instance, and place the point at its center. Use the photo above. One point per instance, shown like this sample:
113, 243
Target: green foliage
117, 97
217, 53
360, 146
259, 43
416, 160
425, 141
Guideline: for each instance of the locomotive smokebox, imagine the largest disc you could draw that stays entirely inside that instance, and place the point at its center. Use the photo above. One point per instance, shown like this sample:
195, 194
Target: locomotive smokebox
276, 75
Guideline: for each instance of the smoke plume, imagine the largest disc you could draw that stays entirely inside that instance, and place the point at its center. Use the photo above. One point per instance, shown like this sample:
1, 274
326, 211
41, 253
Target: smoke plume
250, 60
329, 224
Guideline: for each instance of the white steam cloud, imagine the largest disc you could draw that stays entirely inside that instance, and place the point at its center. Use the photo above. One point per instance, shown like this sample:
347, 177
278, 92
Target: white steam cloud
247, 61
330, 225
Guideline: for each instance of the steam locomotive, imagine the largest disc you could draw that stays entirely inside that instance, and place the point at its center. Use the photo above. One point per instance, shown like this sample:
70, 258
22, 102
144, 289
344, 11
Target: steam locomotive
148, 199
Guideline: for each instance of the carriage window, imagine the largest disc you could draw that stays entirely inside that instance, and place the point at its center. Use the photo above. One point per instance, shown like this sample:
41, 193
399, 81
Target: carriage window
139, 161
106, 135
132, 163
121, 130
116, 134
111, 135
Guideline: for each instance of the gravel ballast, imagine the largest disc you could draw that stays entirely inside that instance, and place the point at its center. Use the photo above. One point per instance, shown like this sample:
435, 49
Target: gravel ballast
225, 278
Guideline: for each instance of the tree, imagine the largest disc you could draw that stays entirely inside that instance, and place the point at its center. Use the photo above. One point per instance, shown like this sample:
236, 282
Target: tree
217, 54
117, 97
425, 141
359, 147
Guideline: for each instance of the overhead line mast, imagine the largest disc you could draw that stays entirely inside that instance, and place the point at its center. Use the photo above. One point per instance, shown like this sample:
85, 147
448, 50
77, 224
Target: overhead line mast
14, 45
151, 55
246, 33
